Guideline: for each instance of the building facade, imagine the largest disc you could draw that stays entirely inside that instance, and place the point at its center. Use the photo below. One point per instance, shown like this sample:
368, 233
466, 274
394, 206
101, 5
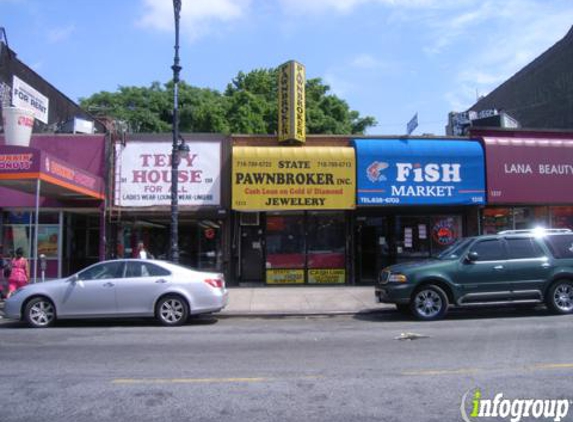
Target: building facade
336, 209
140, 199
529, 178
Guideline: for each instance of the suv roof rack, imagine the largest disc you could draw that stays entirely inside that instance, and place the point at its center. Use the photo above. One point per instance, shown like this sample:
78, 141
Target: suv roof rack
529, 231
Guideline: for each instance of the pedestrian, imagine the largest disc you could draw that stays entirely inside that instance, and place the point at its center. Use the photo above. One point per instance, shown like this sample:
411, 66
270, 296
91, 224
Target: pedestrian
142, 252
20, 274
4, 273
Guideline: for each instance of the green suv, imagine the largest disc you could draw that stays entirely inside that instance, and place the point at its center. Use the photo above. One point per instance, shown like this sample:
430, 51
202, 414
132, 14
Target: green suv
515, 267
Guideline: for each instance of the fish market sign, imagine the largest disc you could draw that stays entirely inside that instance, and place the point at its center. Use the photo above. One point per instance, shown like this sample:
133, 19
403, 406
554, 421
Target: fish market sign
24, 96
395, 172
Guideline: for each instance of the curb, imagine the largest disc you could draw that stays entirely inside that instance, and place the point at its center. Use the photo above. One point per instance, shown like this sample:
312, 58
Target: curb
286, 314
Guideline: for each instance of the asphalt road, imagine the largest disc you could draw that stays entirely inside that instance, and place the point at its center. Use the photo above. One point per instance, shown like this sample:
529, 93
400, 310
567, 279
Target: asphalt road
339, 368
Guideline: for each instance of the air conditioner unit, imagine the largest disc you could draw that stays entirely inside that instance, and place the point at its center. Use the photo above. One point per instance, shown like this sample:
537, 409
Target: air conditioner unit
249, 219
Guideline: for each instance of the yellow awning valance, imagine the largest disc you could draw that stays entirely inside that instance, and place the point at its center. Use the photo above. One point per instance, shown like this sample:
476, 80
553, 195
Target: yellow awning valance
293, 178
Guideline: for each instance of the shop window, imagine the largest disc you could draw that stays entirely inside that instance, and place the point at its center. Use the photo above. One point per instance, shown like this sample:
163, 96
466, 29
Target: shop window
326, 240
412, 237
48, 240
561, 217
326, 248
445, 231
530, 217
495, 220
17, 236
209, 234
18, 232
285, 241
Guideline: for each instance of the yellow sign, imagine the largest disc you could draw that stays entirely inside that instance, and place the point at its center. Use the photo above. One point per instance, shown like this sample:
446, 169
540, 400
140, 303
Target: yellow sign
329, 276
292, 112
285, 276
293, 178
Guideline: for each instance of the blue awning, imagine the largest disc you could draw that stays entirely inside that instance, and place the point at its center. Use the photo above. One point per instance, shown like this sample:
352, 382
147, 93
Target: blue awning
419, 172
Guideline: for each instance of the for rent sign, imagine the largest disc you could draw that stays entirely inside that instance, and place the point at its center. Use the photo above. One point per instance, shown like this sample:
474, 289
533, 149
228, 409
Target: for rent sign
24, 96
143, 174
291, 178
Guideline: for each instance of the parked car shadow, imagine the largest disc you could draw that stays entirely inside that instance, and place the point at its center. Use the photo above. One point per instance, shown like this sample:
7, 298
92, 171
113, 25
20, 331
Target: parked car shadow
477, 313
114, 323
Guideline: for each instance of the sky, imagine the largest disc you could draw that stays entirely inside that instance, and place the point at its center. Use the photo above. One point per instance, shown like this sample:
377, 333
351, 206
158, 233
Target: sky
388, 59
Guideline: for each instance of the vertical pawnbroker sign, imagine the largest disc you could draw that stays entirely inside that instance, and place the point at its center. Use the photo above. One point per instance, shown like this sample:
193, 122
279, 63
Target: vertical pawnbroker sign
292, 108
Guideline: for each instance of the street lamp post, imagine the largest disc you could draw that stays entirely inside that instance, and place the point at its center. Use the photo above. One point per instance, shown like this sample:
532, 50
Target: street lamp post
175, 151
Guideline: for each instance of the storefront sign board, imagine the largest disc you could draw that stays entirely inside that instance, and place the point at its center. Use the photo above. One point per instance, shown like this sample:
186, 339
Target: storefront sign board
293, 178
285, 276
143, 174
25, 164
327, 276
419, 172
529, 171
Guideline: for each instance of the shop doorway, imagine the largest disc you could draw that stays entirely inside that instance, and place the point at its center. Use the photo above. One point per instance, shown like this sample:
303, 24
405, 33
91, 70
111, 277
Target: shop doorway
251, 262
372, 248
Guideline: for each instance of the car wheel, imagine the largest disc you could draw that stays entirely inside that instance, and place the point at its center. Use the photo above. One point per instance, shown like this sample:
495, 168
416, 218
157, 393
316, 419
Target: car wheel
172, 311
560, 297
40, 313
429, 302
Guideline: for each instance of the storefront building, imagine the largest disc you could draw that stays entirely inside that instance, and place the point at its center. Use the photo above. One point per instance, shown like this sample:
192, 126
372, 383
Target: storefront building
530, 179
293, 211
415, 197
141, 200
336, 210
51, 207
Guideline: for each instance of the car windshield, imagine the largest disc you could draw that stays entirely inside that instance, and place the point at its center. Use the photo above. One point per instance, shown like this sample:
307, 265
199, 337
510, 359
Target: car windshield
455, 251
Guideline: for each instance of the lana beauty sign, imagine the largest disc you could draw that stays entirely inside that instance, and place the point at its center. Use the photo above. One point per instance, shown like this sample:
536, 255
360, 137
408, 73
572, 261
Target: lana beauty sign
143, 174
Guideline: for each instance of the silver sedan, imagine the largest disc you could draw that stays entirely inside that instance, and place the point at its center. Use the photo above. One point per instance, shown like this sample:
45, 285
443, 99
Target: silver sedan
121, 288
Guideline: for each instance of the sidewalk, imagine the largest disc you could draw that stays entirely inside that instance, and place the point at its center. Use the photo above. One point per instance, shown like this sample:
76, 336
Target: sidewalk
304, 300
297, 300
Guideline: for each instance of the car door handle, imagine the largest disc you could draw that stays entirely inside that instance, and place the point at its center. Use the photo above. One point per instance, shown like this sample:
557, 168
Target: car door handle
498, 267
546, 265
161, 281
108, 284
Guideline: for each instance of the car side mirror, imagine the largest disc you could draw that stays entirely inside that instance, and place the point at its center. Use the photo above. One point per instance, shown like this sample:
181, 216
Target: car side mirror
73, 279
472, 256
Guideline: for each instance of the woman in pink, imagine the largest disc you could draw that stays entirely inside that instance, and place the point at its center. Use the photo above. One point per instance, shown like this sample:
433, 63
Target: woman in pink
20, 272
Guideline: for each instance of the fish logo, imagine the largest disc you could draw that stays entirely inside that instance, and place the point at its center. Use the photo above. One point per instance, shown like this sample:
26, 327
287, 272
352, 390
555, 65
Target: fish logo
374, 171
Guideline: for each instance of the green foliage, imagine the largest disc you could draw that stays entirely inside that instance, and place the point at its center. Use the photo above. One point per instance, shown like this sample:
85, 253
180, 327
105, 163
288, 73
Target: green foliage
249, 105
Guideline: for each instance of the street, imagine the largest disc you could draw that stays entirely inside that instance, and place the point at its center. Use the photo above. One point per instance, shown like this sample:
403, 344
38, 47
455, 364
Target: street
330, 368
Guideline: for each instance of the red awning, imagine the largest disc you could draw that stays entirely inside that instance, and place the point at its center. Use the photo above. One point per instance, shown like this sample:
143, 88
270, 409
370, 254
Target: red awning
529, 170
